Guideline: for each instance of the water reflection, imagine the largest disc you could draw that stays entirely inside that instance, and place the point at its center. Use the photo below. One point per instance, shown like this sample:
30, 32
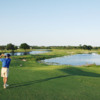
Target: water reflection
78, 59
27, 53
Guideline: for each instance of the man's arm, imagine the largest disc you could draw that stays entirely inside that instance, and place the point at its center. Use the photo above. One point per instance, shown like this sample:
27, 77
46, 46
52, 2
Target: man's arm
1, 55
1, 59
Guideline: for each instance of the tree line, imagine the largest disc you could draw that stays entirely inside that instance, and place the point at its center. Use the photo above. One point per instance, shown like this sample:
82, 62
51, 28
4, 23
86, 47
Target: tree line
85, 47
12, 47
25, 46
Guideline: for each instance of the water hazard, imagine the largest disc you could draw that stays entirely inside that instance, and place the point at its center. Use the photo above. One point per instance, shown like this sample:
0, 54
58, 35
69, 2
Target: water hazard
27, 53
78, 59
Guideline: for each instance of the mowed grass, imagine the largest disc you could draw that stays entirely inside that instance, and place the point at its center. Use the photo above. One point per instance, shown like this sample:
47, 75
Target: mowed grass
37, 81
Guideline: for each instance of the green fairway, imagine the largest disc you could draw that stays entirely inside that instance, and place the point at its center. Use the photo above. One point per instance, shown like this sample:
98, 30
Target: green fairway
30, 80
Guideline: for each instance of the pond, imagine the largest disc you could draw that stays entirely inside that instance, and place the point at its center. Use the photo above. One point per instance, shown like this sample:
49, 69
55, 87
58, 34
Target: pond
31, 52
78, 59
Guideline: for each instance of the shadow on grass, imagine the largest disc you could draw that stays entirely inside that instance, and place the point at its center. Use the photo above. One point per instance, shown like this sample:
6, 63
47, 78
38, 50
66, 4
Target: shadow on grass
71, 71
36, 81
79, 72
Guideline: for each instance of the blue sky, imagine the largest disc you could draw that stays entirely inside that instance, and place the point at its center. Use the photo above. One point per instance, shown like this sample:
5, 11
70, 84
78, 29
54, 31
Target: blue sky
50, 22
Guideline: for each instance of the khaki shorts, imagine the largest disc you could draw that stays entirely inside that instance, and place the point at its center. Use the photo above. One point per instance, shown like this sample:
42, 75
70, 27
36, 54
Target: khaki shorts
4, 72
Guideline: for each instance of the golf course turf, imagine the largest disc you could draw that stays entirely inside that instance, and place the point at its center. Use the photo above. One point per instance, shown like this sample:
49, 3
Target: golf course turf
31, 80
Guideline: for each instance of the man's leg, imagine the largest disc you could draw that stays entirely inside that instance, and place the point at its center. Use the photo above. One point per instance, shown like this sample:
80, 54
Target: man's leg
5, 77
5, 81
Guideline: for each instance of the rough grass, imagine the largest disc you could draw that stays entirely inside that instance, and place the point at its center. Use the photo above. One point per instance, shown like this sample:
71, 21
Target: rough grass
37, 81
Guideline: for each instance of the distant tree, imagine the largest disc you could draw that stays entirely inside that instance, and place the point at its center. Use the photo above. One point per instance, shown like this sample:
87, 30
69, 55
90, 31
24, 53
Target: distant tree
24, 46
10, 47
80, 46
95, 48
15, 47
35, 47
84, 47
89, 47
2, 48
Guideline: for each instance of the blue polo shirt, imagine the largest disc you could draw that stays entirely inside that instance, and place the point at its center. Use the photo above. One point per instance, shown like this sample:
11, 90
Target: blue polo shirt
5, 62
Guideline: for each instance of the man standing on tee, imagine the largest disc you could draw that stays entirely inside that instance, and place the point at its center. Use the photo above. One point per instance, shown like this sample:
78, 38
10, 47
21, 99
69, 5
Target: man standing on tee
5, 68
